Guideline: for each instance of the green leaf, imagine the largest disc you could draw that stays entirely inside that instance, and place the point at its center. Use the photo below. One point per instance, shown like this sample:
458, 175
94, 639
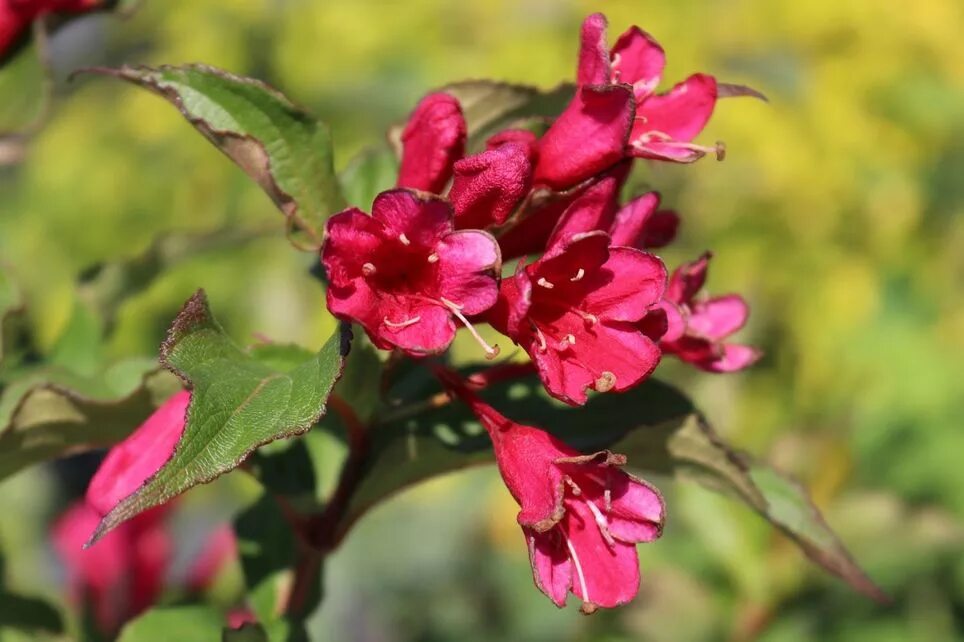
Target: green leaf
28, 614
370, 172
50, 412
281, 146
654, 425
266, 544
247, 633
181, 623
238, 404
490, 106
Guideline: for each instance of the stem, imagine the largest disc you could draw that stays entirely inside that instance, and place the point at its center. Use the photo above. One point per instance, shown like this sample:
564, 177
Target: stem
307, 572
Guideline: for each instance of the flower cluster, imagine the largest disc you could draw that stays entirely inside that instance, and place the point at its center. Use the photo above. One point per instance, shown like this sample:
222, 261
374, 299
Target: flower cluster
588, 302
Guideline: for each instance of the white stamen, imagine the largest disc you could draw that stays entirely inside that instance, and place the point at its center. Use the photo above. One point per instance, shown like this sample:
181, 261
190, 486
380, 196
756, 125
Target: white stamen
367, 269
579, 573
433, 258
601, 523
579, 274
591, 319
542, 339
491, 352
404, 239
570, 339
401, 324
608, 498
575, 489
546, 284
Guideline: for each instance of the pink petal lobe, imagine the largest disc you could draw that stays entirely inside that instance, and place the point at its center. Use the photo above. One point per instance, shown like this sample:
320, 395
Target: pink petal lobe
432, 141
637, 509
468, 263
520, 136
719, 317
680, 114
735, 357
688, 279
421, 218
639, 61
631, 220
551, 566
592, 210
430, 334
488, 186
627, 285
660, 230
593, 52
587, 138
675, 321
131, 462
604, 575
351, 237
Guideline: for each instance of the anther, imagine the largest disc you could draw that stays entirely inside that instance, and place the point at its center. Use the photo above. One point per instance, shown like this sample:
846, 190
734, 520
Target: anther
608, 498
367, 269
579, 274
546, 284
591, 319
601, 523
433, 258
404, 239
401, 324
542, 339
606, 381
575, 489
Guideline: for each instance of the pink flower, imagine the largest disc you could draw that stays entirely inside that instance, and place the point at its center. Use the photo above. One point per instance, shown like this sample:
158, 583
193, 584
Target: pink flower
404, 273
697, 327
640, 224
616, 113
581, 515
433, 139
575, 312
130, 463
120, 576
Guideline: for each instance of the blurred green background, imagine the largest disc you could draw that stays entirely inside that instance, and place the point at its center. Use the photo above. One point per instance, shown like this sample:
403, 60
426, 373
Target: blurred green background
837, 213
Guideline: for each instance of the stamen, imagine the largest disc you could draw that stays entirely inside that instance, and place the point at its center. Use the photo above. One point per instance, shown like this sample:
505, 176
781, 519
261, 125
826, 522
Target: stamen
602, 524
401, 324
568, 340
541, 337
608, 498
433, 258
491, 352
606, 381
579, 574
404, 239
718, 150
579, 274
591, 319
367, 269
575, 489
546, 284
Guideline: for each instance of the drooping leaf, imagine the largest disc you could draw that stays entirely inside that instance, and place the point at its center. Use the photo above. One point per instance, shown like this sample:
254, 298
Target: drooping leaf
729, 90
182, 623
281, 146
238, 403
654, 425
490, 106
370, 172
50, 412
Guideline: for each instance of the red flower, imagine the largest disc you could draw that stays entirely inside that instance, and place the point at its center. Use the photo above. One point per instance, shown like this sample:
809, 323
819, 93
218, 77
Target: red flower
131, 462
616, 113
696, 328
404, 272
433, 139
120, 576
575, 312
581, 515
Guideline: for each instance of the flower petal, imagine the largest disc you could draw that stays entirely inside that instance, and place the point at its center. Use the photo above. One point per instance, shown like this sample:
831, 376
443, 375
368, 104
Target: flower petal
588, 137
719, 317
430, 334
551, 566
432, 141
660, 230
593, 52
604, 575
488, 186
627, 284
637, 509
680, 114
734, 357
422, 218
131, 462
351, 238
592, 210
639, 61
469, 263
631, 220
687, 280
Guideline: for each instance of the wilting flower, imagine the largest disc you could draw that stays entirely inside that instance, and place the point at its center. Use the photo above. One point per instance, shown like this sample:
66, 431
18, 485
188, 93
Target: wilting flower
121, 575
404, 273
131, 462
615, 112
575, 311
697, 327
433, 139
581, 514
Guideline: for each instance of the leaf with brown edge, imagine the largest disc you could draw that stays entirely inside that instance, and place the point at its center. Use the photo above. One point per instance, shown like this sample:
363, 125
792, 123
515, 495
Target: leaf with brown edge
280, 145
238, 403
654, 425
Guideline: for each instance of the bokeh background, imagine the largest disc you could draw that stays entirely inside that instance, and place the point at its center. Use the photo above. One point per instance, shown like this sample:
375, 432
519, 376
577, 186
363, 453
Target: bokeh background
839, 213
